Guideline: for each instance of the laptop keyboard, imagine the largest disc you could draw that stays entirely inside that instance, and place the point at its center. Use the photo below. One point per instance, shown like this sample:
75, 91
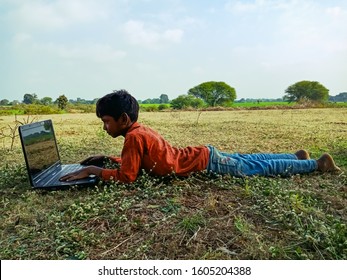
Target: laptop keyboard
53, 177
71, 168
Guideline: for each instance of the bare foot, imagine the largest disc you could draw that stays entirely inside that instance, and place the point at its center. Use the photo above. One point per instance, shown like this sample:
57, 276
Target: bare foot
302, 154
326, 164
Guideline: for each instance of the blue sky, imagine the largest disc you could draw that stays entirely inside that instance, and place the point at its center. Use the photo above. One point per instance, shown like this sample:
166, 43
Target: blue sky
87, 48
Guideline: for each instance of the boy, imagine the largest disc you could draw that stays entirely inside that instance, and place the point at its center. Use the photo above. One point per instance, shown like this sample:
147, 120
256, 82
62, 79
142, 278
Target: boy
146, 149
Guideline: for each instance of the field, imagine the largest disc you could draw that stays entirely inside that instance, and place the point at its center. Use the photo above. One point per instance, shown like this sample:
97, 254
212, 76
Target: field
200, 217
33, 109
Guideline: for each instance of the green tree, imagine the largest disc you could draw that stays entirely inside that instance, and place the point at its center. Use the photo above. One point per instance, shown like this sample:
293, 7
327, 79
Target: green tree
341, 97
62, 102
46, 100
306, 90
4, 102
214, 93
164, 98
185, 101
30, 98
151, 101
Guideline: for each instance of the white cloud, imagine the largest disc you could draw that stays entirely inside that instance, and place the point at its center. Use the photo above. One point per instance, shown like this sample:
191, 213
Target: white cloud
173, 35
56, 14
246, 42
336, 12
94, 52
21, 38
241, 6
138, 34
257, 5
314, 27
88, 52
305, 29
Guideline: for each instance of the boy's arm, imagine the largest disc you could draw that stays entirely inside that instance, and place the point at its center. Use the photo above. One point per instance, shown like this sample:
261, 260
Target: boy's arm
132, 155
99, 160
116, 159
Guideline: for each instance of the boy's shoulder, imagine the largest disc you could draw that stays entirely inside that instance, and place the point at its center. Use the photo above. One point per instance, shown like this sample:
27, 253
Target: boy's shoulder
139, 134
140, 129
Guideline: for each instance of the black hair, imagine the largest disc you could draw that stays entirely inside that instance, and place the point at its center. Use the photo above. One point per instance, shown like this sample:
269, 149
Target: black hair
116, 103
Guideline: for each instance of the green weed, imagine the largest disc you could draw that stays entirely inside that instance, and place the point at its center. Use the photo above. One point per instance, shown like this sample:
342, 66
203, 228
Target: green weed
192, 223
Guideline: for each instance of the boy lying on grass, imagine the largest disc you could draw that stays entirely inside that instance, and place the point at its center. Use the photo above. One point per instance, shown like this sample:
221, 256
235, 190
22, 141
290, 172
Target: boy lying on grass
146, 149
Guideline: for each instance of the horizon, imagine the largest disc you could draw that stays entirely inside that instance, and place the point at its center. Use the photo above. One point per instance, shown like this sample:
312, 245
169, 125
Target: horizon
86, 49
247, 99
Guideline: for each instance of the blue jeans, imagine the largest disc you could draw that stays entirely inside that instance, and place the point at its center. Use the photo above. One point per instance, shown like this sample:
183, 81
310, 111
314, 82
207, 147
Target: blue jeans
240, 165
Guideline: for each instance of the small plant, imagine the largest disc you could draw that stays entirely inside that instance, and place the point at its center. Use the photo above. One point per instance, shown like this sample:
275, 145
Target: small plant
12, 131
192, 223
171, 206
241, 225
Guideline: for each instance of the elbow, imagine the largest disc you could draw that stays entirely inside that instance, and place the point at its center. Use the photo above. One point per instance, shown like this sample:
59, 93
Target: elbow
127, 179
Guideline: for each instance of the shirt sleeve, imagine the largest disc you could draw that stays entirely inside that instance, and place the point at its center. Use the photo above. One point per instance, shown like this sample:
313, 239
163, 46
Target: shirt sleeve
131, 159
116, 159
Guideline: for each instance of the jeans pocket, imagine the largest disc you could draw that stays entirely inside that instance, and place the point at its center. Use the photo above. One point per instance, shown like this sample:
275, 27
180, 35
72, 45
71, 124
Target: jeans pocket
224, 164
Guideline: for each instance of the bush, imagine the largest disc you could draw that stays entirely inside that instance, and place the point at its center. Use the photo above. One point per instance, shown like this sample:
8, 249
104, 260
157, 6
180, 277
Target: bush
186, 101
81, 108
34, 109
149, 108
163, 107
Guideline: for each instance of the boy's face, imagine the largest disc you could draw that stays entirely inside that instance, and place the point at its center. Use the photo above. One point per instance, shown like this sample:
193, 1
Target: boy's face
114, 127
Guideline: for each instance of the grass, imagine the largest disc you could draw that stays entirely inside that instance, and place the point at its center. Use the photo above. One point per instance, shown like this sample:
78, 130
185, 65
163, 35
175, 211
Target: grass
33, 109
283, 105
200, 217
261, 104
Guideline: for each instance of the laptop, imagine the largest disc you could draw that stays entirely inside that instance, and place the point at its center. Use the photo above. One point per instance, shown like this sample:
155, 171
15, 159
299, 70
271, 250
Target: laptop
43, 160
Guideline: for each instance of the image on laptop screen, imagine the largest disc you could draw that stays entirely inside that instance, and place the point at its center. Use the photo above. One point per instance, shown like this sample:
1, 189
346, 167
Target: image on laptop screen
40, 146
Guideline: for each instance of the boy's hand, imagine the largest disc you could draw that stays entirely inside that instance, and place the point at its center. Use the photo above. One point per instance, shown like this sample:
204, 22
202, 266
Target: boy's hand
94, 160
83, 173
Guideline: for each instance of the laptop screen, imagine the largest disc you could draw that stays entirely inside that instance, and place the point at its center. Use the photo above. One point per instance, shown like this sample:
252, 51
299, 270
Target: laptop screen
39, 146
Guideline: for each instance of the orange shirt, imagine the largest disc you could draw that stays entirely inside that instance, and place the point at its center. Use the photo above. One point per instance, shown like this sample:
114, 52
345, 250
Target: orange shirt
145, 149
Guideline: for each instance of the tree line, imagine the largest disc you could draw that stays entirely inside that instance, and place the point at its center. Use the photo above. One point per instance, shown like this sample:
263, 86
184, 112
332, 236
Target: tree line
207, 94
211, 94
28, 98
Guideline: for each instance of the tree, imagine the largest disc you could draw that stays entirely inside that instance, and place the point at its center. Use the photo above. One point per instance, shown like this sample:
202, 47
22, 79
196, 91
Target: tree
306, 90
214, 93
62, 102
341, 97
4, 102
151, 101
30, 98
185, 101
164, 99
46, 100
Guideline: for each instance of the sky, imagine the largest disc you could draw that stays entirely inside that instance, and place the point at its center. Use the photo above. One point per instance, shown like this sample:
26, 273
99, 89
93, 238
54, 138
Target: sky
88, 48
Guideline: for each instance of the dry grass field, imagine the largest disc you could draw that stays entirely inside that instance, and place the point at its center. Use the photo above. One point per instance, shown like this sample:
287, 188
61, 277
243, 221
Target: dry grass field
200, 217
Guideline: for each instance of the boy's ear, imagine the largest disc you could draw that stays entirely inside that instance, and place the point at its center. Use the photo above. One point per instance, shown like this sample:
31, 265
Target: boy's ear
125, 117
